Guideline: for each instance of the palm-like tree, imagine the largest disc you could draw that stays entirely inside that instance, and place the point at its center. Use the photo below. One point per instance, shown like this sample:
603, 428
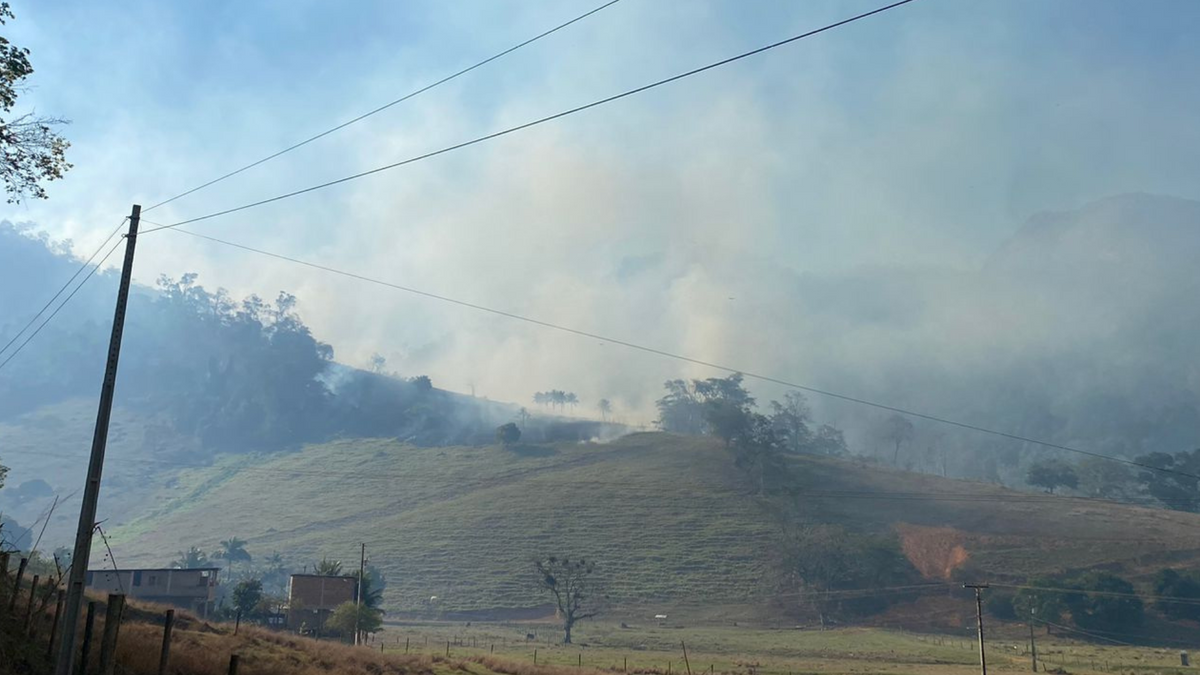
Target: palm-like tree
328, 568
233, 550
191, 559
605, 407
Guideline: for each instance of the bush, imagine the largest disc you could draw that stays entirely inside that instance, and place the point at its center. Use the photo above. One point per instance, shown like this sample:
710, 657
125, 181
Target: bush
1110, 606
1170, 583
341, 621
1000, 605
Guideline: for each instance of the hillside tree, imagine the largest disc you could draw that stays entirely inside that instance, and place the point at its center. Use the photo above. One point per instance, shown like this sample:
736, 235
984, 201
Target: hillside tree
31, 150
507, 434
1106, 602
792, 419
897, 430
1051, 474
573, 585
1171, 484
1169, 583
817, 562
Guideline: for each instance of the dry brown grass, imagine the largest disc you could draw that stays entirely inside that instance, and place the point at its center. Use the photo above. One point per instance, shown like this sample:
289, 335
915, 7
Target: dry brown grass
200, 647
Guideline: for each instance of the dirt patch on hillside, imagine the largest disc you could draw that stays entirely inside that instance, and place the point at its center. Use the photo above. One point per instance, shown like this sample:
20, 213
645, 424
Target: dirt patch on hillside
935, 551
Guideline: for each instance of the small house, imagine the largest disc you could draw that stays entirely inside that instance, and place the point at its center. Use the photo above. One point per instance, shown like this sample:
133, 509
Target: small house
192, 589
313, 597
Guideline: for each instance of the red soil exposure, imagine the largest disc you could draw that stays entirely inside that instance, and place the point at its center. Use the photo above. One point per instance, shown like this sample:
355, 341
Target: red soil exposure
935, 551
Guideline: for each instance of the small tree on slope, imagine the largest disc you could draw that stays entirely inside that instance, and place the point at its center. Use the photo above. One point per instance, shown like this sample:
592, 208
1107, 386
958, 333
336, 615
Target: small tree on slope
573, 586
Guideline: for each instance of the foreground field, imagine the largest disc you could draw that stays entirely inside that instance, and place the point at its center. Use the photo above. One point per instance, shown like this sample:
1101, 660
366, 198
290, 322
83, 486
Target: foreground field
529, 648
659, 649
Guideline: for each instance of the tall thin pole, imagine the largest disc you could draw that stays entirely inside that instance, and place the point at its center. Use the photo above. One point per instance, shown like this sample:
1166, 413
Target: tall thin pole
91, 490
1032, 647
362, 564
979, 620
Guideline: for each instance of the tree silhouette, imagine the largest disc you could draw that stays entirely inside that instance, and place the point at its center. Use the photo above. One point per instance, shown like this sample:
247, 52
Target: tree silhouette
605, 407
191, 559
328, 568
234, 550
573, 587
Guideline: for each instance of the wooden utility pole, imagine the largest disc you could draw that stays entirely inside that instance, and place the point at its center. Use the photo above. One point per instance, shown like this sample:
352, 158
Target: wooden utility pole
91, 490
979, 620
362, 565
1032, 647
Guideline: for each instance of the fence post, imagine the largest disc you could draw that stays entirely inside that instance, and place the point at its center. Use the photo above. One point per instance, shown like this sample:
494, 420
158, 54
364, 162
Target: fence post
112, 626
16, 589
58, 605
29, 607
535, 656
233, 664
165, 655
3, 574
405, 645
89, 626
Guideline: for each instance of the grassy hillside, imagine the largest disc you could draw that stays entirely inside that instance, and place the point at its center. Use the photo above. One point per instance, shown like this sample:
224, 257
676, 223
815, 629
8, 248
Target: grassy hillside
52, 444
667, 517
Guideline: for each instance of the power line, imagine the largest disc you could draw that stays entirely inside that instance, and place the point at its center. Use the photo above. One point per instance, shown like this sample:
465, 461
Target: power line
1112, 594
534, 123
1080, 631
688, 359
64, 286
58, 309
381, 108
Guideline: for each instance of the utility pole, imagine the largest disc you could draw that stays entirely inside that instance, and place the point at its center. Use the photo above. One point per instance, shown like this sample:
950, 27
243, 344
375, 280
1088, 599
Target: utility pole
1032, 644
91, 490
362, 564
979, 619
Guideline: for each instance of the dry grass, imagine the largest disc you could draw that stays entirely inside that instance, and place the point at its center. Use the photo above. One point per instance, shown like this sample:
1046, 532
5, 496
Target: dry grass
199, 647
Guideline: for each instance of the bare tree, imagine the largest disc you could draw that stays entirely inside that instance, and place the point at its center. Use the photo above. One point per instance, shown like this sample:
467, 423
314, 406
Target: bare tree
573, 586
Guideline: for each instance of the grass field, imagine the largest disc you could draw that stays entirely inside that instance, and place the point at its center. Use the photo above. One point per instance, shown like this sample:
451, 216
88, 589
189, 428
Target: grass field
668, 519
659, 648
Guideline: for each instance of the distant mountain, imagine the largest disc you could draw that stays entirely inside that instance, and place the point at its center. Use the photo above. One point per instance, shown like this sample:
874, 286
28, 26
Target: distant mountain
1127, 235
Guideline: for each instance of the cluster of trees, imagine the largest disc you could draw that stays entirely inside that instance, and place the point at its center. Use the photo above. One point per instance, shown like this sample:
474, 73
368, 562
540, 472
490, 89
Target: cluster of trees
556, 398
722, 407
821, 565
1173, 486
1098, 601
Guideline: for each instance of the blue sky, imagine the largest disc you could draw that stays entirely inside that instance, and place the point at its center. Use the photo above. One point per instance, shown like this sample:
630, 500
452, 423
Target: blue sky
922, 137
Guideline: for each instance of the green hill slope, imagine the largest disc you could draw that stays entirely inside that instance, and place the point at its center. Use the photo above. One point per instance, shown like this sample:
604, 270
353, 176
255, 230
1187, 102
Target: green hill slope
667, 517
